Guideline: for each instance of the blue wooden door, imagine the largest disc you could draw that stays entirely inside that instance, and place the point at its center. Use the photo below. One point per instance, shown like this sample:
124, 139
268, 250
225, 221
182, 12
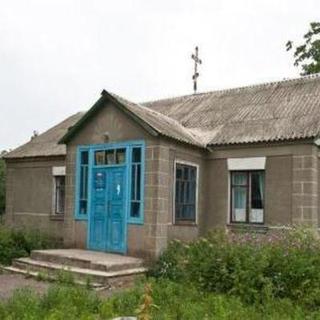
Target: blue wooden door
107, 218
116, 209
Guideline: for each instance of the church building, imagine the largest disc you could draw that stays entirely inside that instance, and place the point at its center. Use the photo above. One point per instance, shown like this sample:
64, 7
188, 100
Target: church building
129, 177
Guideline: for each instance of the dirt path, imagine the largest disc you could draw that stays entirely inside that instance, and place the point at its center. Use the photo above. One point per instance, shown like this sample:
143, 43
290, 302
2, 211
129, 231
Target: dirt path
10, 282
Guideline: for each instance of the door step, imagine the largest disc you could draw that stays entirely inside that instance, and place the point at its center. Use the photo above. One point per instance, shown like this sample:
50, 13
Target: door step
84, 267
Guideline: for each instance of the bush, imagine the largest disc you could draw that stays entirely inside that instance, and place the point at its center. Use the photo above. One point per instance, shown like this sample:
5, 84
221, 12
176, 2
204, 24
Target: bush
256, 268
14, 244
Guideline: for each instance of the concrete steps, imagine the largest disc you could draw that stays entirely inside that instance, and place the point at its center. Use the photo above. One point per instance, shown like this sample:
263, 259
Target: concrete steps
100, 269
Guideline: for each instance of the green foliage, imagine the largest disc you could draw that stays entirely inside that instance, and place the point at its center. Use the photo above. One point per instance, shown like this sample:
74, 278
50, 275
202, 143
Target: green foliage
308, 54
255, 268
2, 184
15, 243
174, 301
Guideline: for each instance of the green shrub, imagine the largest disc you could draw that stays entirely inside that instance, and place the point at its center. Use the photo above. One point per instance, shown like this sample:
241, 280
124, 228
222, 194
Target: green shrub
254, 267
15, 243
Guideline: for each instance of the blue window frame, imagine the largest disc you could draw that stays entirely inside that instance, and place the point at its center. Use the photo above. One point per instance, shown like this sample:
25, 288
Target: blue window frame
82, 184
132, 155
136, 187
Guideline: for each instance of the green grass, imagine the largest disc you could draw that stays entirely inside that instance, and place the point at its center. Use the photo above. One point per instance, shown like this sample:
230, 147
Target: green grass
170, 300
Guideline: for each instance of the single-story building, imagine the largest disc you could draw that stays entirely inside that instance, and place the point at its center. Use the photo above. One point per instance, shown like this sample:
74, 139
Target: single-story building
126, 177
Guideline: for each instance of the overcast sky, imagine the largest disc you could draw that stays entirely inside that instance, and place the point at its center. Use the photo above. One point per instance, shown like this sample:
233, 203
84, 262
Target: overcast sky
57, 55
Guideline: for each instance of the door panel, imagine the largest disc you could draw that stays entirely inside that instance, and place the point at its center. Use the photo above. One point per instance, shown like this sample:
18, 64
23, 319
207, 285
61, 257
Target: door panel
107, 217
116, 234
98, 217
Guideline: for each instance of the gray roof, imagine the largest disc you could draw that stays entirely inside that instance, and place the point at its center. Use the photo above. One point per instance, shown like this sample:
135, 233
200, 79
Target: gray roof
284, 110
161, 123
275, 111
46, 144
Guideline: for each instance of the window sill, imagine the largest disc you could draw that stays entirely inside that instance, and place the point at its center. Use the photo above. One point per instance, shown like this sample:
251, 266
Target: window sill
261, 228
185, 224
57, 217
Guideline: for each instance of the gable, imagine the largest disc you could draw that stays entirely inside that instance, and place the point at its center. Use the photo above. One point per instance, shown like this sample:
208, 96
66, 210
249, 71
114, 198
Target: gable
108, 120
152, 121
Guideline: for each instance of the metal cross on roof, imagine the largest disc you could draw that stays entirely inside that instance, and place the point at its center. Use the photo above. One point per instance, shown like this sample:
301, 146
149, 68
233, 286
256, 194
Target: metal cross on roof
196, 74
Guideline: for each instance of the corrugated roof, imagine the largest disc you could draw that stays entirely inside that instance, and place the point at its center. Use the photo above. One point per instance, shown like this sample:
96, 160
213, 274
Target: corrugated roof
161, 123
46, 144
275, 111
283, 110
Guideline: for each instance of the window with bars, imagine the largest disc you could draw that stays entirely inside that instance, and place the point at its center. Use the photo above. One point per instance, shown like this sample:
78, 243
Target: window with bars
59, 194
247, 197
185, 193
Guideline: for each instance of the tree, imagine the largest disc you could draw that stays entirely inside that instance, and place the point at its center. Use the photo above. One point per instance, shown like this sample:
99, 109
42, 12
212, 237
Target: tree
2, 183
307, 55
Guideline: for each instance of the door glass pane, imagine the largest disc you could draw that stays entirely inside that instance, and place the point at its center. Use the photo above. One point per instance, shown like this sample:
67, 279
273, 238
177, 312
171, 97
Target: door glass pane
239, 197
120, 156
257, 197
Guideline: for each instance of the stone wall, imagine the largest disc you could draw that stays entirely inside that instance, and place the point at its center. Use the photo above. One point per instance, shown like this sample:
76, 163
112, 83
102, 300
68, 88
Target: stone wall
305, 188
29, 195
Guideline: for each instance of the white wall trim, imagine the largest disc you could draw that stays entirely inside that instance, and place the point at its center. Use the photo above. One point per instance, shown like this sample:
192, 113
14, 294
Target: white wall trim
188, 163
257, 163
58, 171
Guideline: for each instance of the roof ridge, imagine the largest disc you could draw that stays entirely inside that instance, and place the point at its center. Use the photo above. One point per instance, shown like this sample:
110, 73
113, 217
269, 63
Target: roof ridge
240, 88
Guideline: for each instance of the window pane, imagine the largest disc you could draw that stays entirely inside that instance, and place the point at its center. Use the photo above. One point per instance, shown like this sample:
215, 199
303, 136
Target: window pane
136, 155
178, 172
84, 157
185, 195
83, 207
99, 157
133, 182
83, 182
138, 183
239, 198
257, 197
120, 156
60, 194
135, 209
239, 178
110, 156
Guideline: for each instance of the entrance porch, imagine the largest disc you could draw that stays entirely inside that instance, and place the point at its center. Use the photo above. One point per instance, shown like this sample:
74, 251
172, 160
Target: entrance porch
102, 269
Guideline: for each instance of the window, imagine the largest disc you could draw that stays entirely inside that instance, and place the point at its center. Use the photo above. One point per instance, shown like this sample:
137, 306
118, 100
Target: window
59, 194
110, 157
247, 196
136, 183
82, 206
185, 193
